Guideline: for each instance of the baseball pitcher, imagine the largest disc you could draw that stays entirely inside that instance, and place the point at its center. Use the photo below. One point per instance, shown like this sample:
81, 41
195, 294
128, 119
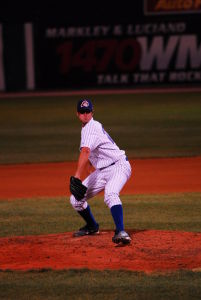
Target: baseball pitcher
111, 170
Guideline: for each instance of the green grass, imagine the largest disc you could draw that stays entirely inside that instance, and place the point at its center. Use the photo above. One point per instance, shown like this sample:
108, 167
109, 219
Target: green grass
55, 215
149, 125
145, 125
85, 284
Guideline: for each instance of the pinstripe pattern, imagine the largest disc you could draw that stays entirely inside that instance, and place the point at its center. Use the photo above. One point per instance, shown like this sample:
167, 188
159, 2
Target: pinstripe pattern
111, 179
104, 151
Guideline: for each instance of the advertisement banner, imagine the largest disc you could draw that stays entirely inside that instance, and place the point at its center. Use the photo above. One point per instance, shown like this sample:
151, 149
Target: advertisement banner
158, 7
152, 52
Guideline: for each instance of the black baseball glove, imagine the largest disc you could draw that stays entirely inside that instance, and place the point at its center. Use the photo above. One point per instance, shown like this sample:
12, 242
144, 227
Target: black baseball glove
77, 188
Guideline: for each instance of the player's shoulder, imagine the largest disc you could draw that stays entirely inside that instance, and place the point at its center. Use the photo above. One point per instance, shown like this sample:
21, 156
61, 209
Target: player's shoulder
93, 128
93, 125
96, 123
97, 127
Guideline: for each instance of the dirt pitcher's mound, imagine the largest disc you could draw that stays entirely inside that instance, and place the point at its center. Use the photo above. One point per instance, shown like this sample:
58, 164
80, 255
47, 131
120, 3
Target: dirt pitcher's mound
150, 250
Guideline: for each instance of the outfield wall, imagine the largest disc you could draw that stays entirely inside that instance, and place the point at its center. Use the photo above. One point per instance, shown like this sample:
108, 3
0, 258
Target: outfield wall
160, 46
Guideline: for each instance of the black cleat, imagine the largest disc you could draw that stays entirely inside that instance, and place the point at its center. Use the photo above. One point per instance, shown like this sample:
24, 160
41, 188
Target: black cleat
87, 230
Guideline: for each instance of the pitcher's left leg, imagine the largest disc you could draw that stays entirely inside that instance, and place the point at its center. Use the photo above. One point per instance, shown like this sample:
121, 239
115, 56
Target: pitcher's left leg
118, 177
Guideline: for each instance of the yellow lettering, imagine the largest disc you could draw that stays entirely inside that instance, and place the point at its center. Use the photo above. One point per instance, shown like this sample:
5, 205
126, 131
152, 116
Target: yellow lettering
177, 4
197, 3
172, 5
188, 4
160, 4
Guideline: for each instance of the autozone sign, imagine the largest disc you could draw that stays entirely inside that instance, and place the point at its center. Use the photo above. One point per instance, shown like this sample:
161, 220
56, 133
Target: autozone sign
153, 7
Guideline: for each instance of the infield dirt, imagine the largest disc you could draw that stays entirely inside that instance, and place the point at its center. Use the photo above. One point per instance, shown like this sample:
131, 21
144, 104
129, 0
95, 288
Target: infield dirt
166, 175
150, 250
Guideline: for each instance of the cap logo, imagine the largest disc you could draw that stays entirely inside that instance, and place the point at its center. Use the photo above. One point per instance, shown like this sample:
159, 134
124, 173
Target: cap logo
84, 103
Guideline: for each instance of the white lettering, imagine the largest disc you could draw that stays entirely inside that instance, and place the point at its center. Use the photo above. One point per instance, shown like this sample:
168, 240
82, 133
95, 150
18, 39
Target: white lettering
153, 28
148, 77
51, 32
184, 76
113, 79
68, 32
188, 50
156, 52
61, 32
117, 30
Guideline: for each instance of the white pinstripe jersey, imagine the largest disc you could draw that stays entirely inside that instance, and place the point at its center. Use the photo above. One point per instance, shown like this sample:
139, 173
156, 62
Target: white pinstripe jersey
103, 149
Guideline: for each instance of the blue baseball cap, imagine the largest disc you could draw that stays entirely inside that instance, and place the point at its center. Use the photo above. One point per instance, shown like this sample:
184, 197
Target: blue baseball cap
84, 105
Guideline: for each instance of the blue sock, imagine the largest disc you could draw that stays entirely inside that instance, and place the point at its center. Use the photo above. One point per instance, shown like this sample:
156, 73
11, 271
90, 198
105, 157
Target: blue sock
86, 214
117, 214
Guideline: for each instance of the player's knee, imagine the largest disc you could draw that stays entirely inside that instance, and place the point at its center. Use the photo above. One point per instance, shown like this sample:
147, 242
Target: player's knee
112, 199
77, 205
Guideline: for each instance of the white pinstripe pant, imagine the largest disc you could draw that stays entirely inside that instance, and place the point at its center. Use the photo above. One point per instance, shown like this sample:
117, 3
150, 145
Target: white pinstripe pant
111, 180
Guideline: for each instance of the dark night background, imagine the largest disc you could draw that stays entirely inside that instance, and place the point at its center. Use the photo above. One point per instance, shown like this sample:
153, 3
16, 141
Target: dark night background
74, 11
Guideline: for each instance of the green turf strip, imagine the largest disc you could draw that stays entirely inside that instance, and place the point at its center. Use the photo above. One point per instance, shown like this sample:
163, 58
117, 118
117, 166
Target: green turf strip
38, 129
85, 284
55, 215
